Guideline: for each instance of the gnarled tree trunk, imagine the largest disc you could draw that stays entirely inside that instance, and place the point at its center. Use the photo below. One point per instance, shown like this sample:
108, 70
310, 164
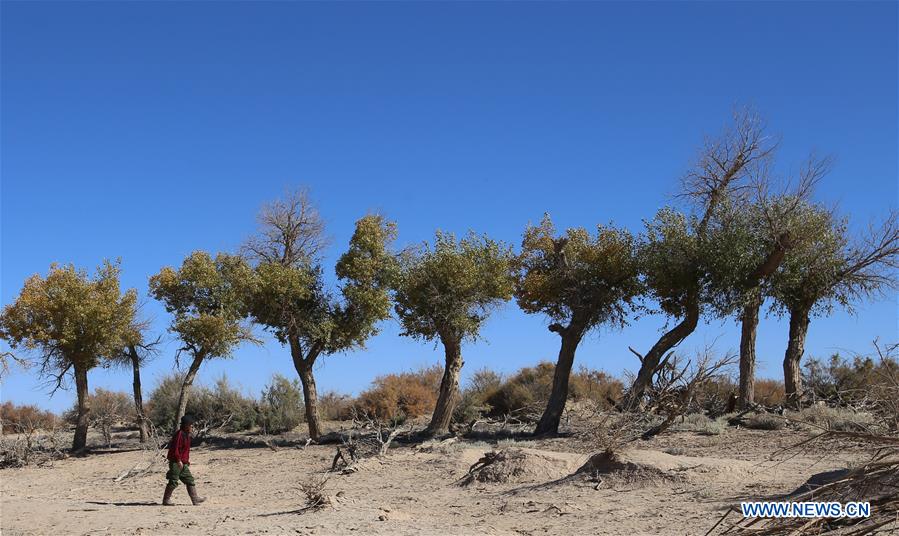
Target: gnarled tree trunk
185, 387
138, 396
80, 439
449, 388
799, 321
749, 322
303, 366
664, 345
552, 415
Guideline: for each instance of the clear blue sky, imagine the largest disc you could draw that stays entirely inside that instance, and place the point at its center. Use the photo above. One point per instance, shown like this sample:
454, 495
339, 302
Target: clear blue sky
146, 130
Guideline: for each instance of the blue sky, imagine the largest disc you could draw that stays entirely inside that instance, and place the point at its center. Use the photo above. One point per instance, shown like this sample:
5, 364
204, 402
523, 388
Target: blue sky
146, 130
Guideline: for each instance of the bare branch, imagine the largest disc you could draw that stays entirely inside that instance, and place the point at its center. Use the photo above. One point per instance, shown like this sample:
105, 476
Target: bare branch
291, 232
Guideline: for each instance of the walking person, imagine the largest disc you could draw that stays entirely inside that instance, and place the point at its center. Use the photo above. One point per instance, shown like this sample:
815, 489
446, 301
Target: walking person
179, 464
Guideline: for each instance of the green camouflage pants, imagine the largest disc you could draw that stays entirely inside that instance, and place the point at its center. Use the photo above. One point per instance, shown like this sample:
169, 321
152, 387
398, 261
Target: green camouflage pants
175, 474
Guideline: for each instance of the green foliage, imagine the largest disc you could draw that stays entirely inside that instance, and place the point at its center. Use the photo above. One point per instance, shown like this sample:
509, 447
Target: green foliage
809, 280
207, 298
578, 279
290, 300
669, 256
223, 406
70, 318
396, 397
281, 408
448, 290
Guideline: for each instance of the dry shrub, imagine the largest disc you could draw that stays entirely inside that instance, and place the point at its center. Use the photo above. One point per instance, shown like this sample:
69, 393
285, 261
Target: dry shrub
400, 396
700, 424
108, 409
716, 396
313, 491
840, 419
595, 385
765, 421
333, 406
530, 387
769, 392
14, 418
222, 407
473, 403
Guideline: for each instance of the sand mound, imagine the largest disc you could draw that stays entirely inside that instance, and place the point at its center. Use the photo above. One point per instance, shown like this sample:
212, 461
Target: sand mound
651, 467
517, 465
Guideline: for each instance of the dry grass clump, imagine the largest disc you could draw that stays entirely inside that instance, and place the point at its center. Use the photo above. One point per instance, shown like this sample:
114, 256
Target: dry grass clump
314, 496
700, 424
765, 421
839, 419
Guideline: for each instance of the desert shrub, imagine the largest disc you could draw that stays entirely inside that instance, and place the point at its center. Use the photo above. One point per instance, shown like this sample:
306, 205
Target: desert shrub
394, 397
769, 392
529, 387
15, 418
715, 395
765, 421
222, 407
473, 402
281, 408
333, 406
107, 409
701, 424
231, 408
595, 385
841, 419
840, 381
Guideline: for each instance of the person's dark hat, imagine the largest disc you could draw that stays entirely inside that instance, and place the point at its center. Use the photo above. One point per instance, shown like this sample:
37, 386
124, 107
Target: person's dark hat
187, 419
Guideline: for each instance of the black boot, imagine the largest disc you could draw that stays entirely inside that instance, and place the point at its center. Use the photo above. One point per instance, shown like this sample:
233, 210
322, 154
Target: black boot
194, 498
167, 496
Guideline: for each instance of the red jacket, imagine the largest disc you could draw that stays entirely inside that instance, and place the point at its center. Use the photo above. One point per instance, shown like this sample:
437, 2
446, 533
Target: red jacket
179, 447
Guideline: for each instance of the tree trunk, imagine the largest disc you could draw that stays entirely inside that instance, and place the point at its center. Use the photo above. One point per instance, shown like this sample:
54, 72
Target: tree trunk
449, 388
303, 367
185, 387
749, 322
799, 321
80, 440
664, 345
549, 422
138, 396
310, 399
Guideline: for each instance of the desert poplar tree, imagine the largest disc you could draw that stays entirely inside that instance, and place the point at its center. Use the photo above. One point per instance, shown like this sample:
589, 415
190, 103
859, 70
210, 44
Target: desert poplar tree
580, 282
206, 297
72, 321
289, 297
138, 349
446, 292
673, 259
828, 271
753, 234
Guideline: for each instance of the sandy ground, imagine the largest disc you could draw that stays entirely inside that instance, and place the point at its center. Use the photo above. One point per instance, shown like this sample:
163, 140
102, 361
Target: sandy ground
413, 490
